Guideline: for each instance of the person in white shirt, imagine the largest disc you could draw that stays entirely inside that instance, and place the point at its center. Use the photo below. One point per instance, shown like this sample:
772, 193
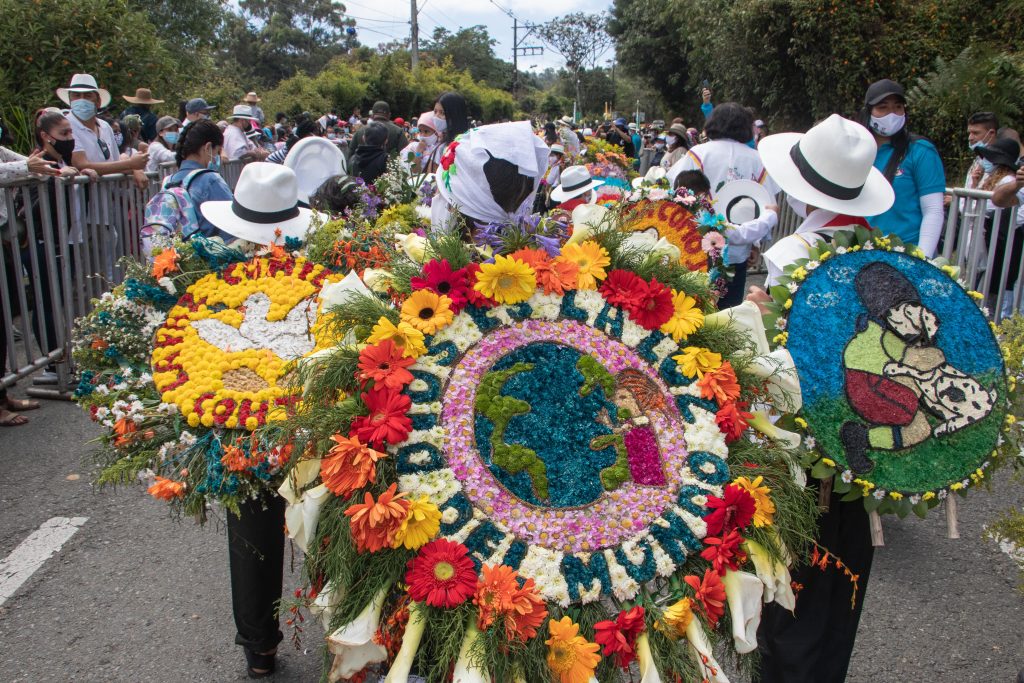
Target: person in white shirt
425, 151
982, 129
161, 150
236, 144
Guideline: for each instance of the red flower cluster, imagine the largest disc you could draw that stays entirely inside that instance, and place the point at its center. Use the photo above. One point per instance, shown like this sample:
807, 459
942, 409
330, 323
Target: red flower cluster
618, 638
439, 278
709, 594
387, 421
442, 574
732, 420
649, 304
724, 552
734, 510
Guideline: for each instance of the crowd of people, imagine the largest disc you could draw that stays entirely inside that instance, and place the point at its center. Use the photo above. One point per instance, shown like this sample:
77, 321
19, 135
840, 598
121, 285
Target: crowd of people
842, 173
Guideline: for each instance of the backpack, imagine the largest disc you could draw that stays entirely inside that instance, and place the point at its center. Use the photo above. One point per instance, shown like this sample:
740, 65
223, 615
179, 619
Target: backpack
170, 212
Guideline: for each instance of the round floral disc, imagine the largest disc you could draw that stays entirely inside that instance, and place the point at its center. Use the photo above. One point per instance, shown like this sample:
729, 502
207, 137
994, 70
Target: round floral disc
676, 224
224, 349
902, 379
559, 438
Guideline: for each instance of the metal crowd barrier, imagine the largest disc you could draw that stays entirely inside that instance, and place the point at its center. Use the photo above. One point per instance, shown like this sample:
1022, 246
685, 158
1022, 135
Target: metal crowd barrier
61, 247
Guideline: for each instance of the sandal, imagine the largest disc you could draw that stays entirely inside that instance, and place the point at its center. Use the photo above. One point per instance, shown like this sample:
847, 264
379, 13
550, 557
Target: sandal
9, 419
20, 404
260, 665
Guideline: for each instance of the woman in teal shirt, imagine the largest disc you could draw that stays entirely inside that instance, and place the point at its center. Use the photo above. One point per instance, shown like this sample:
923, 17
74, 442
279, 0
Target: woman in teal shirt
910, 163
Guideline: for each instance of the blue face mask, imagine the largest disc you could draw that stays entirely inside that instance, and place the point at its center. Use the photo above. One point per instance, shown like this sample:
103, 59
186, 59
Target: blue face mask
84, 110
214, 164
171, 138
987, 165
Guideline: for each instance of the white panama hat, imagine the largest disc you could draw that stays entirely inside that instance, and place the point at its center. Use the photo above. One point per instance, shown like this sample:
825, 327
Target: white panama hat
742, 200
242, 111
266, 200
314, 160
829, 167
83, 83
576, 180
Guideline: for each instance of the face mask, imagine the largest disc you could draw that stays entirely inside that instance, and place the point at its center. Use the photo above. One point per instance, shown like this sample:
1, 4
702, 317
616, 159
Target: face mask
440, 125
332, 136
888, 125
84, 110
171, 138
428, 139
64, 148
118, 139
552, 159
987, 165
214, 164
659, 145
673, 139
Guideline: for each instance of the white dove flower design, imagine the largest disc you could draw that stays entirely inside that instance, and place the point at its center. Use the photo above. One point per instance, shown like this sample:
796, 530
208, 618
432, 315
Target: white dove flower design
288, 339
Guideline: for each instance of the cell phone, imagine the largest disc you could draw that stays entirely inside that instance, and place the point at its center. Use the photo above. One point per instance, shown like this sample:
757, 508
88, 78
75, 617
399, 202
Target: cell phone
705, 84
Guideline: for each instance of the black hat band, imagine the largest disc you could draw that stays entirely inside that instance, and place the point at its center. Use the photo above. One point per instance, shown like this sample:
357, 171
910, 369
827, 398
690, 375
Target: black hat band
818, 181
263, 217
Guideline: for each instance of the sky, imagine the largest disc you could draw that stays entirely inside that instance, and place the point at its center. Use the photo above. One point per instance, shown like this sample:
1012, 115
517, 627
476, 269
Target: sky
380, 21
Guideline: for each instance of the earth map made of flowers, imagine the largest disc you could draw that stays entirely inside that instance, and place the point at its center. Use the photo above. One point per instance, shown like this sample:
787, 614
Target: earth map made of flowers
558, 437
224, 349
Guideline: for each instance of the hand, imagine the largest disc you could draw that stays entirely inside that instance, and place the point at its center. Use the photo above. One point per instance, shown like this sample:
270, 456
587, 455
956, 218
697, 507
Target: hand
40, 166
976, 174
91, 174
1020, 178
139, 161
755, 254
705, 95
758, 296
68, 172
140, 179
773, 208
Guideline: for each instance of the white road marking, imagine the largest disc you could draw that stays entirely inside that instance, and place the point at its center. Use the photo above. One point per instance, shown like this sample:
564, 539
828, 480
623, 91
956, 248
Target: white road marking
31, 553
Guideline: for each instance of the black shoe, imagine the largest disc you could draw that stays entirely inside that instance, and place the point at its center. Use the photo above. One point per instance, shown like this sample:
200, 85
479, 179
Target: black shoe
260, 665
855, 442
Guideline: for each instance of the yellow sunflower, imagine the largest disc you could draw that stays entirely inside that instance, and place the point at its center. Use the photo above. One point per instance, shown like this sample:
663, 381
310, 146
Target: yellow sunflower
427, 311
421, 524
686, 319
507, 280
403, 334
694, 361
765, 507
591, 258
570, 656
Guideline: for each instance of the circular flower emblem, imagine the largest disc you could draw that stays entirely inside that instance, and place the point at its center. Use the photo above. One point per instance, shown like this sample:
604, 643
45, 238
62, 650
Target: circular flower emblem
222, 353
677, 224
552, 435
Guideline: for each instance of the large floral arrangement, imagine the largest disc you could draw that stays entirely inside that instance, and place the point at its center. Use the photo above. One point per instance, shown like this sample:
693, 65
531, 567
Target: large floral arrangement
904, 385
605, 160
544, 465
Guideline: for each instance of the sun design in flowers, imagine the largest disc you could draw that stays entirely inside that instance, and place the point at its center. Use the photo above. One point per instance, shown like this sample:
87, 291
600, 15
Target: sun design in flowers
224, 351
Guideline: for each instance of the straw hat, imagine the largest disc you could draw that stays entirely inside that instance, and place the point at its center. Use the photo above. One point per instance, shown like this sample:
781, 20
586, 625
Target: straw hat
252, 98
266, 201
142, 96
576, 180
83, 83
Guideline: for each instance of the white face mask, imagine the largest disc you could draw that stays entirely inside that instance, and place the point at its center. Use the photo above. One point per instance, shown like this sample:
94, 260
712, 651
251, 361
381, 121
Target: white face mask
440, 125
888, 125
672, 139
553, 159
428, 139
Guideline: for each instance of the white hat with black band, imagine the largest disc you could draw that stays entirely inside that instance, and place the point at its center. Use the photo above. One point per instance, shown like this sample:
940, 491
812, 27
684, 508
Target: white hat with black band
265, 209
576, 180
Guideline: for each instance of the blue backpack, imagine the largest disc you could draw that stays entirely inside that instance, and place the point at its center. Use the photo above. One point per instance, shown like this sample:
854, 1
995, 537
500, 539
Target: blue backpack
171, 212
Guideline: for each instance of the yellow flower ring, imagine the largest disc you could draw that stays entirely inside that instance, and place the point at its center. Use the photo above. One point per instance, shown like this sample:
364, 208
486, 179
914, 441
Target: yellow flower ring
676, 224
226, 346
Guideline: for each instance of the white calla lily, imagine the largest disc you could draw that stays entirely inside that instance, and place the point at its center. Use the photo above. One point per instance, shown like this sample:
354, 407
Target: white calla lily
743, 592
303, 474
762, 423
337, 293
465, 669
414, 246
399, 671
377, 279
585, 218
353, 645
648, 240
698, 641
301, 517
747, 318
778, 585
648, 671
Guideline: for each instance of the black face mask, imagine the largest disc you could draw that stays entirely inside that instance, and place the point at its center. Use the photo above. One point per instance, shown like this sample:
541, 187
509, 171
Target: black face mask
64, 148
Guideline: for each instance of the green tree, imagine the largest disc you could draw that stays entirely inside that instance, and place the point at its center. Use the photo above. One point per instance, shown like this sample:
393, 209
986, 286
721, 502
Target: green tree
470, 49
580, 39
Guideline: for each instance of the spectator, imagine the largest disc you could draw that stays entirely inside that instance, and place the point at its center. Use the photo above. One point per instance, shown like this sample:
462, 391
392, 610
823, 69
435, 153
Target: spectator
236, 144
982, 128
357, 116
910, 163
280, 125
1001, 178
451, 116
677, 142
370, 159
199, 147
95, 146
196, 109
634, 136
423, 154
253, 100
396, 137
760, 131
567, 136
304, 128
131, 132
142, 107
161, 151
618, 135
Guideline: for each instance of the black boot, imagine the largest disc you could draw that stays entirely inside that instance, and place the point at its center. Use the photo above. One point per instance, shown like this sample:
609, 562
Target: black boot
855, 442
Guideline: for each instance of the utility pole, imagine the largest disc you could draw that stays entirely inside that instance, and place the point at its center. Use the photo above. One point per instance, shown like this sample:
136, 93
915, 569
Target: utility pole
415, 42
515, 55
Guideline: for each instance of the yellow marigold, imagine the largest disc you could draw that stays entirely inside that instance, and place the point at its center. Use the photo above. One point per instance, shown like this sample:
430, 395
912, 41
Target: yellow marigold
799, 273
895, 495
829, 461
956, 486
427, 311
403, 334
928, 495
676, 619
694, 361
570, 656
800, 422
507, 280
591, 259
765, 506
686, 317
421, 524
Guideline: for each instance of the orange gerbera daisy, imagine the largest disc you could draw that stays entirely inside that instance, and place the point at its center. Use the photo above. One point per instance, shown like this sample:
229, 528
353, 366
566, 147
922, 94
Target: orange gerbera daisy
709, 594
374, 522
165, 262
529, 612
427, 311
166, 489
556, 277
349, 465
570, 656
385, 363
124, 428
494, 592
720, 384
591, 259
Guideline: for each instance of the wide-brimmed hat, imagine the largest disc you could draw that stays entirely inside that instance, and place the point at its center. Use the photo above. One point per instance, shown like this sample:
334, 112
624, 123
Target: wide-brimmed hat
566, 120
83, 83
165, 122
266, 202
679, 131
558, 149
742, 200
655, 174
1002, 151
242, 111
829, 167
142, 96
252, 98
576, 180
314, 160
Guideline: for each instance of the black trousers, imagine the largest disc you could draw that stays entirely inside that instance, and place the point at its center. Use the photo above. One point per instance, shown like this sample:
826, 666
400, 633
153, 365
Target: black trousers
737, 287
256, 552
816, 644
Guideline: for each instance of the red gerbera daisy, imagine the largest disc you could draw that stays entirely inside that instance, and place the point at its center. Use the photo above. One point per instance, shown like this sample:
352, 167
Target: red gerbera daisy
439, 278
386, 365
442, 574
734, 510
652, 305
475, 297
709, 594
724, 553
618, 638
387, 421
732, 420
621, 287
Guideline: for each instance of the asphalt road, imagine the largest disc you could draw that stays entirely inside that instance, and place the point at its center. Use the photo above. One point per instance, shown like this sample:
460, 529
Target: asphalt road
134, 596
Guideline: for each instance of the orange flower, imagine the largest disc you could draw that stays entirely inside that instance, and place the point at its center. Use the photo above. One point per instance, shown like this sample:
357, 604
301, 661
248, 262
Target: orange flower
556, 277
709, 594
235, 459
494, 592
124, 429
166, 489
99, 344
165, 262
720, 384
349, 465
374, 523
529, 613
